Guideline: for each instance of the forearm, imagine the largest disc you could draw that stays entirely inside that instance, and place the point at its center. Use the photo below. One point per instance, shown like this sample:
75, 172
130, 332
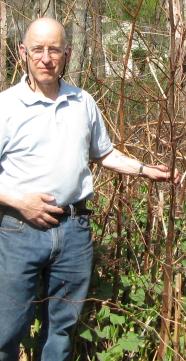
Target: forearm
9, 200
118, 162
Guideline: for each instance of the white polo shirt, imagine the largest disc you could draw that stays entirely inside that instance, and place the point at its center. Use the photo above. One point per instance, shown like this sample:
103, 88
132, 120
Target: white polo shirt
45, 145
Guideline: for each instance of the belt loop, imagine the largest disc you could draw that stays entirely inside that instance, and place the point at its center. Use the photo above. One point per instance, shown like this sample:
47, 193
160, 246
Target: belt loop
1, 216
72, 211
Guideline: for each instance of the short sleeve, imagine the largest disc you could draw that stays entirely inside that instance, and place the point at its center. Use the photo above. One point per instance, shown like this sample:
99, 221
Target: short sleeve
100, 144
4, 133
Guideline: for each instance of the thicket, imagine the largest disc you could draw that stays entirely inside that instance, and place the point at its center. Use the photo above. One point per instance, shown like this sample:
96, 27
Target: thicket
136, 308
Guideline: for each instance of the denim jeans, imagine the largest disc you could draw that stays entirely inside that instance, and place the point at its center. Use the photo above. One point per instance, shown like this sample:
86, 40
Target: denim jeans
63, 254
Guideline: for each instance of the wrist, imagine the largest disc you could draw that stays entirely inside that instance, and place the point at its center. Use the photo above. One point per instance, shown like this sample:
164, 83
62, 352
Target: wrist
8, 200
141, 169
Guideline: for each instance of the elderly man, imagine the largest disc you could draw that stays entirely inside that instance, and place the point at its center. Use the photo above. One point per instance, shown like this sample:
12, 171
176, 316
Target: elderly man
49, 130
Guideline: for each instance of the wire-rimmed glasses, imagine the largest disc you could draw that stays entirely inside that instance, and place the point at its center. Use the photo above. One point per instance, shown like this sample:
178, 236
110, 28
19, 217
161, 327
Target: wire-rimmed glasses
37, 52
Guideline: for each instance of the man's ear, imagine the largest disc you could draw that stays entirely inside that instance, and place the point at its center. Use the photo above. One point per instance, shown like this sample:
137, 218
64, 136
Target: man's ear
68, 51
22, 52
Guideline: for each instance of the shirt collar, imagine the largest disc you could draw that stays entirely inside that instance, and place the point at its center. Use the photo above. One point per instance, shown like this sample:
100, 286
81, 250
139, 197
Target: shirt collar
29, 97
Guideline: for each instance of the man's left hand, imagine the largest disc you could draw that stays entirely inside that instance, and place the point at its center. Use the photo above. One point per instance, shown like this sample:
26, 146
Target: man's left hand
160, 173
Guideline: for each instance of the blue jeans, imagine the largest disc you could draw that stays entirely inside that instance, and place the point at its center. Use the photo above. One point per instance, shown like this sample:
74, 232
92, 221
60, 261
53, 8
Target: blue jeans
63, 255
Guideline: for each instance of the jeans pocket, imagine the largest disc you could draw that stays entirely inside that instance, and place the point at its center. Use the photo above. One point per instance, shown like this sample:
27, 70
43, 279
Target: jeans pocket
11, 224
83, 221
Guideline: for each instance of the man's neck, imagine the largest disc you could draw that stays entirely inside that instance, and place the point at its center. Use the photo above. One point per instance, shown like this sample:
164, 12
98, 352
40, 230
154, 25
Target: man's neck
49, 90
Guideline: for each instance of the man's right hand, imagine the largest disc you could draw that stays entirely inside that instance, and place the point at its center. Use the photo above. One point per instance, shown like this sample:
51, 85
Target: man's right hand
37, 209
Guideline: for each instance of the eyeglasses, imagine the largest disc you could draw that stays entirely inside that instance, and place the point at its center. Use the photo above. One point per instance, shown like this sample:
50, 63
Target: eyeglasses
36, 52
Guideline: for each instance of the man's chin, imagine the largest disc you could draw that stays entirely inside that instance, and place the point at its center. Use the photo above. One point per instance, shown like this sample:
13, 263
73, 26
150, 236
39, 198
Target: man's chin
47, 79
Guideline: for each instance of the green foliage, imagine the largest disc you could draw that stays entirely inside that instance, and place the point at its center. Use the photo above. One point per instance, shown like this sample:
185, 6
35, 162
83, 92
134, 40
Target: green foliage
139, 54
128, 10
129, 328
130, 342
30, 341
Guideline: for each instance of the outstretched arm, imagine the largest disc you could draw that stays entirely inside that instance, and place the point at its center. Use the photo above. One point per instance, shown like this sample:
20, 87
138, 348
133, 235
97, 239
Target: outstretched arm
118, 162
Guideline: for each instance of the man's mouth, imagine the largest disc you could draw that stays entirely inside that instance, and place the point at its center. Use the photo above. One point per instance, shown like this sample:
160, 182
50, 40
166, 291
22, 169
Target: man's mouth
46, 69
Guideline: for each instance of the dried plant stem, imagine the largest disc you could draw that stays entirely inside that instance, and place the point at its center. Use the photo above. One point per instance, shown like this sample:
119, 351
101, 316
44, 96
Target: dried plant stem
3, 36
177, 316
168, 265
147, 235
121, 108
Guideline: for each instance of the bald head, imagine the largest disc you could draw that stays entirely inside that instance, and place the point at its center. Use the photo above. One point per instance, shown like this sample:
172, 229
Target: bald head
42, 28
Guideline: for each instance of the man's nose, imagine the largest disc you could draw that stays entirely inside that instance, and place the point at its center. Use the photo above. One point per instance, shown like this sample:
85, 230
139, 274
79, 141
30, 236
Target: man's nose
46, 56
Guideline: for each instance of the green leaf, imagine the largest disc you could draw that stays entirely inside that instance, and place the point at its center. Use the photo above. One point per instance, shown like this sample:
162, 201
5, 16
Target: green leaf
99, 333
99, 232
143, 281
138, 296
87, 335
107, 332
158, 288
101, 356
183, 246
103, 313
37, 325
107, 238
115, 353
103, 201
117, 319
125, 281
182, 343
183, 263
130, 342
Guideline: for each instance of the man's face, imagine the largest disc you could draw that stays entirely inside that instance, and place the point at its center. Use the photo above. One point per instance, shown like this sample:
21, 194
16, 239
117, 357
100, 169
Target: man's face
44, 51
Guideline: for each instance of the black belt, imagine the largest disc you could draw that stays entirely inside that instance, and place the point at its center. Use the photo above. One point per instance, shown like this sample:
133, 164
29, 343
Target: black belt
72, 210
75, 209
